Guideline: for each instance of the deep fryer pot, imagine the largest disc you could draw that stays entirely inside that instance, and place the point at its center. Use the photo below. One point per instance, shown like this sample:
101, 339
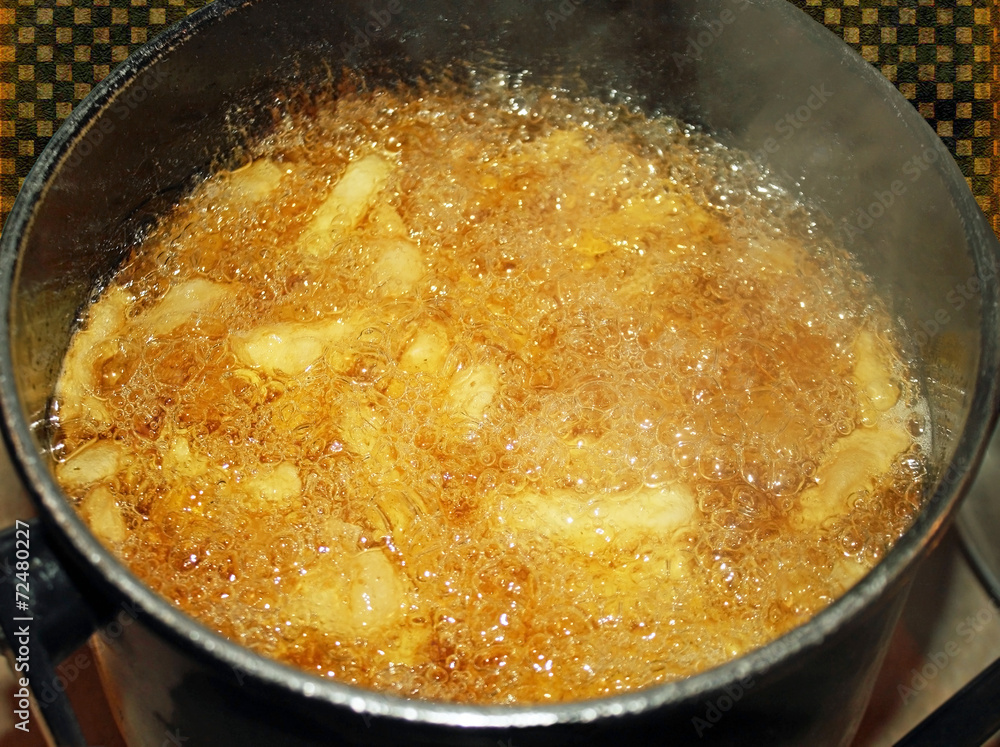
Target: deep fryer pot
757, 74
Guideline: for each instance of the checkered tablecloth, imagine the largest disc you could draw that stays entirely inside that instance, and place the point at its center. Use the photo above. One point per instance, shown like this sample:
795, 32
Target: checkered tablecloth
939, 55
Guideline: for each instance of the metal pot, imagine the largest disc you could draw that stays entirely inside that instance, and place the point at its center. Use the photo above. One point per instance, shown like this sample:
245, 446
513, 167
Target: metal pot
758, 74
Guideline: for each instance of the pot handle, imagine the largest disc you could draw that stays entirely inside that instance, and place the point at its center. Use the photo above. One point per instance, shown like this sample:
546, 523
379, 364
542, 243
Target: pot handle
43, 619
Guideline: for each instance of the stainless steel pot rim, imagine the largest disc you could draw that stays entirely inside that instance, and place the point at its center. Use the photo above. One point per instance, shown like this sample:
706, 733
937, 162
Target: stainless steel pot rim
118, 581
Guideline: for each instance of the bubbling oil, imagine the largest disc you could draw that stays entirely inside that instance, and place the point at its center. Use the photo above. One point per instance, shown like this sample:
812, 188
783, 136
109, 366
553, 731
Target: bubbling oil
492, 397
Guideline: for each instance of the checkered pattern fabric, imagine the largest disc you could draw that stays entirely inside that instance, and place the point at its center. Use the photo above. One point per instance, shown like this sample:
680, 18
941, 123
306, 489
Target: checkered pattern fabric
52, 52
939, 55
